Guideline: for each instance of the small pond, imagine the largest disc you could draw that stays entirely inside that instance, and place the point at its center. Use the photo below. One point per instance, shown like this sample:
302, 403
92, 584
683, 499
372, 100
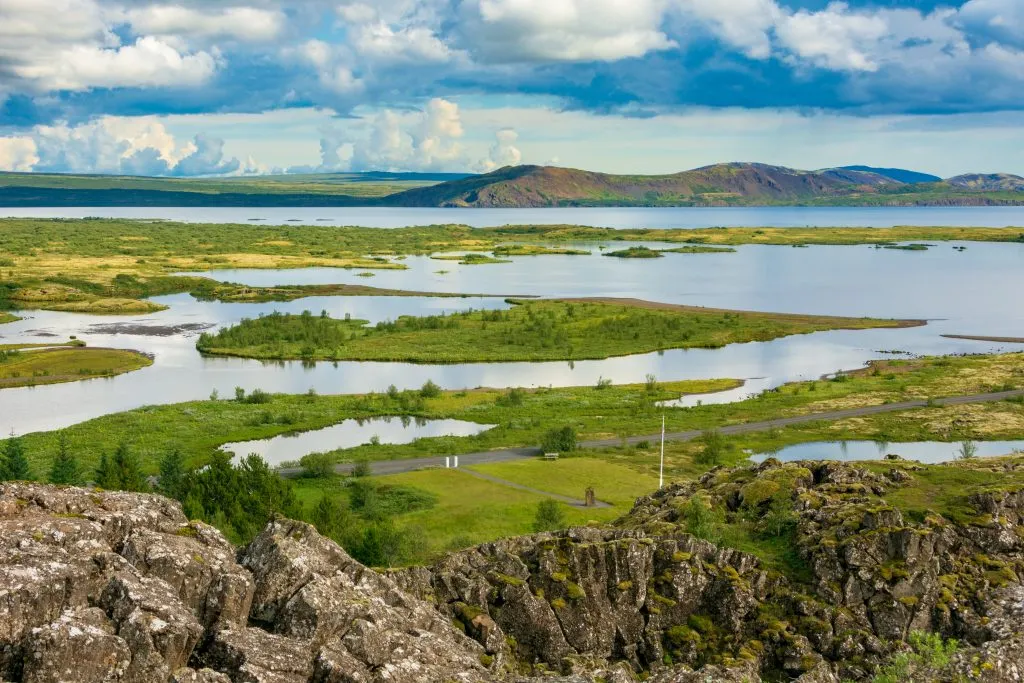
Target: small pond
930, 452
352, 433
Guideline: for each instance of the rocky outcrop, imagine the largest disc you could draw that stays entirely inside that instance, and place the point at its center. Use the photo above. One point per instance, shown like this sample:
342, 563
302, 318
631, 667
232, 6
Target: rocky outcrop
100, 586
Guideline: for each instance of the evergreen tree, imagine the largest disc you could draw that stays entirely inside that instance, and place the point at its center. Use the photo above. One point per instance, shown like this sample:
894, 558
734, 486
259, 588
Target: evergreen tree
15, 465
65, 469
330, 519
172, 475
550, 516
105, 475
127, 470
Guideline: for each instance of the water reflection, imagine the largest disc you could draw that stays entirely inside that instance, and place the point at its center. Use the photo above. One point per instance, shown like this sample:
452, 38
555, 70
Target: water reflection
351, 433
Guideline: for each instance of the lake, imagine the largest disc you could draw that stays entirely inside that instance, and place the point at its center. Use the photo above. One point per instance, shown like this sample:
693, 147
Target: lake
756, 217
971, 292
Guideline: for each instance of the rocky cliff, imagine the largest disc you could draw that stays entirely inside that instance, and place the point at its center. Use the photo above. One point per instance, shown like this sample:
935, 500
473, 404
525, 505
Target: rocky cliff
100, 586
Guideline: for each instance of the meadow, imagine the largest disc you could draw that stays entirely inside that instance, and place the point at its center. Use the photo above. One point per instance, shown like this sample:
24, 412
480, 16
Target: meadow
532, 330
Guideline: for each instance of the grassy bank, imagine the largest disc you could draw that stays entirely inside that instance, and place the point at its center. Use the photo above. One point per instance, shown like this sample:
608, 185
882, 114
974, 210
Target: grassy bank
6, 317
23, 366
540, 330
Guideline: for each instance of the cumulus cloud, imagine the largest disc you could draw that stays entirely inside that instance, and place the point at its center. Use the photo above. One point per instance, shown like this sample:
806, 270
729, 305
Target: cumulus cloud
563, 30
71, 45
994, 20
242, 23
131, 146
503, 152
744, 24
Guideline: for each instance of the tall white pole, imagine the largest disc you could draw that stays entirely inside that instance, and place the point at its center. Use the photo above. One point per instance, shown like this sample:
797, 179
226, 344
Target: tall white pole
661, 471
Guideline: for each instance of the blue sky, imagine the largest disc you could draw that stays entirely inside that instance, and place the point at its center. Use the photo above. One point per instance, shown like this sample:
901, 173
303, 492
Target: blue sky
204, 87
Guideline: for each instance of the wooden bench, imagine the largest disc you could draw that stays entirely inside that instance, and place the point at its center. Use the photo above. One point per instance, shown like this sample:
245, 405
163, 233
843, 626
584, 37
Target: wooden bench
551, 456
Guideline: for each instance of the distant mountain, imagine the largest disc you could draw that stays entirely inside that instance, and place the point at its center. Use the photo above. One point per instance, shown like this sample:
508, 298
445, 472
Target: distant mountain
990, 182
900, 175
731, 184
535, 186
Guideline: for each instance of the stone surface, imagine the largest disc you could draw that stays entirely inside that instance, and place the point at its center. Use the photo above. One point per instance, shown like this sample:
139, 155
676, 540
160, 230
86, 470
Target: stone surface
118, 587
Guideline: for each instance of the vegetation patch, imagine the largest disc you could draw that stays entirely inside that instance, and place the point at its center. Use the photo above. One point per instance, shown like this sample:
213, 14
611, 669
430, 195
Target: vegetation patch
532, 330
30, 367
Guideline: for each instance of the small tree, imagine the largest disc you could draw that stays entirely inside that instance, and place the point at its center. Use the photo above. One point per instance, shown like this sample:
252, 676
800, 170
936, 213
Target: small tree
968, 449
65, 469
430, 389
559, 440
331, 519
361, 469
104, 474
550, 516
172, 475
15, 465
383, 545
127, 471
651, 383
713, 448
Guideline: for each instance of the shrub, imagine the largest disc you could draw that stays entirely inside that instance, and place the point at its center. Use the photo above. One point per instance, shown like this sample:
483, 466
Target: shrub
713, 448
430, 389
550, 516
317, 465
559, 440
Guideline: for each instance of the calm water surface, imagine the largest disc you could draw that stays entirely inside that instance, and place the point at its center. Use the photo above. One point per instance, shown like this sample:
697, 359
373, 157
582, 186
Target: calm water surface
782, 217
351, 433
971, 292
931, 452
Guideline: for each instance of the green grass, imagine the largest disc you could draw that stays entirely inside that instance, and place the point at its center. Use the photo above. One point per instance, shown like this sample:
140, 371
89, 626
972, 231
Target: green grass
635, 252
537, 250
7, 317
19, 368
529, 331
571, 476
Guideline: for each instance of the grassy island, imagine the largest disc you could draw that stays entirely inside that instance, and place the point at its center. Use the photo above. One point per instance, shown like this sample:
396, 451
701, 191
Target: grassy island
470, 259
532, 330
6, 317
33, 364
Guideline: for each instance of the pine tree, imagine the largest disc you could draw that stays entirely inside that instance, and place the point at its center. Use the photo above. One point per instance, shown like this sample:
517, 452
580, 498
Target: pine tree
15, 465
105, 476
127, 470
172, 475
65, 469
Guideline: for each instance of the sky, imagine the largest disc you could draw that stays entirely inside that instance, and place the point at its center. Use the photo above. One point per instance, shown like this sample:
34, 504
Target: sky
235, 87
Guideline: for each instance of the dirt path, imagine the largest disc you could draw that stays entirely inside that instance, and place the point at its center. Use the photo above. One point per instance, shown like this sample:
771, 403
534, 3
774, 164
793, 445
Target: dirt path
381, 467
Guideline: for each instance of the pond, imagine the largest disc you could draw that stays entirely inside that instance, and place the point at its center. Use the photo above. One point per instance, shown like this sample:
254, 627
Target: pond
959, 292
351, 433
930, 452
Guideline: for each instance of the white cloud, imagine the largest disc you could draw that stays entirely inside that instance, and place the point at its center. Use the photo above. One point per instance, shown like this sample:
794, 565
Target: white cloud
381, 42
563, 30
745, 24
834, 38
134, 146
18, 154
428, 140
242, 23
1000, 20
70, 45
503, 153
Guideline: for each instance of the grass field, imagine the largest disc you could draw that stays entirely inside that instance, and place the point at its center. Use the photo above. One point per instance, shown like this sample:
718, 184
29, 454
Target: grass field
25, 367
6, 317
532, 330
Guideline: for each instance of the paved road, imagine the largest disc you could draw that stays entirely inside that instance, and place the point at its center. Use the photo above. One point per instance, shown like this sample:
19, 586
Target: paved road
510, 454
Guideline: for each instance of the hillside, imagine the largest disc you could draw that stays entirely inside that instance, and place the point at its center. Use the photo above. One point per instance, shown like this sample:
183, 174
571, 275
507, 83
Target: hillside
732, 184
900, 175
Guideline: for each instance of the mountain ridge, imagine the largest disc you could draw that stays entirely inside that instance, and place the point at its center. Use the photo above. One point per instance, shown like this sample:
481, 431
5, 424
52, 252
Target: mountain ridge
530, 186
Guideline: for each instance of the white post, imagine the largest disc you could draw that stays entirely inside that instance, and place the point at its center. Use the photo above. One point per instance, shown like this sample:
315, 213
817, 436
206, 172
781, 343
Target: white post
661, 471
447, 462
456, 461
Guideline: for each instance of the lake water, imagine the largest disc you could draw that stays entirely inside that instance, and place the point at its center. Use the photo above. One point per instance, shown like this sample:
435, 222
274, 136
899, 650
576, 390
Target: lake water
930, 452
351, 433
880, 217
972, 292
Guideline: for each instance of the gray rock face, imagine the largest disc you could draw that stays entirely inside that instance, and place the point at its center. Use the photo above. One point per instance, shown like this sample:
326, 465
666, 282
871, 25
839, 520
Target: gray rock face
121, 588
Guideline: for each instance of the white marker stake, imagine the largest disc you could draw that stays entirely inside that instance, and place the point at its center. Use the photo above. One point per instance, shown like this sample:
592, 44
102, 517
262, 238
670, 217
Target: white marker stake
447, 462
661, 472
456, 461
